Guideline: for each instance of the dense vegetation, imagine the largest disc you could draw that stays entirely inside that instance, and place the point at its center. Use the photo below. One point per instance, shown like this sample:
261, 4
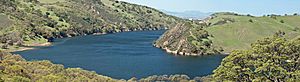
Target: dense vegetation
274, 59
30, 22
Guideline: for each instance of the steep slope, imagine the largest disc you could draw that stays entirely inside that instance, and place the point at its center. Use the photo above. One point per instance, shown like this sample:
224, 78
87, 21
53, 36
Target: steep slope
186, 39
229, 31
28, 22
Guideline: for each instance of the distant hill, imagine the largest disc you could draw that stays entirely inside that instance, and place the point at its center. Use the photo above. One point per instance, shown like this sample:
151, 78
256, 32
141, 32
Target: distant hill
189, 14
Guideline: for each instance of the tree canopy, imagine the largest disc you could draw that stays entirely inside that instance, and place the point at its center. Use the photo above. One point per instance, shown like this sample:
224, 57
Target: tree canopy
273, 59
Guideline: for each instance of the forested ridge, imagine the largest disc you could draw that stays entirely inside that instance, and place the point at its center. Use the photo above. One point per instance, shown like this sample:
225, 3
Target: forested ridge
26, 22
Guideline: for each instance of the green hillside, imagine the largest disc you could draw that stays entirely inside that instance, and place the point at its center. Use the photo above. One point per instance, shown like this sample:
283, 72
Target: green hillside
232, 31
33, 22
225, 31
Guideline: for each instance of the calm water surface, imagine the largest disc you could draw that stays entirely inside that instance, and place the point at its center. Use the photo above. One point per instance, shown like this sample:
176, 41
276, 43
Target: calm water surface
122, 55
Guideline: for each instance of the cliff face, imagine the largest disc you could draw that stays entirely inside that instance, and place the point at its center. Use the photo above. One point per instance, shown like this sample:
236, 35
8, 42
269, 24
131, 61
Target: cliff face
186, 39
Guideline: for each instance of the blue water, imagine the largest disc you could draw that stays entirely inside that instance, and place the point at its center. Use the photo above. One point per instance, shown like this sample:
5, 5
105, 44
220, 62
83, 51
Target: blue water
122, 56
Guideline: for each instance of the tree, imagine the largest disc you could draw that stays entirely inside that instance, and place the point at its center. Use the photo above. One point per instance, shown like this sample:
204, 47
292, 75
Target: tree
272, 59
295, 14
281, 21
149, 11
250, 20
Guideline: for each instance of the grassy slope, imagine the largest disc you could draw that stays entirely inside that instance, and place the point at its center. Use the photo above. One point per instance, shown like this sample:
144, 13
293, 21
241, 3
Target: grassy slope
239, 34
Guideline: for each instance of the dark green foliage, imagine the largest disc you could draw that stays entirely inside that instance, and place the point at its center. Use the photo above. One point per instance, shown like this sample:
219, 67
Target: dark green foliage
295, 14
250, 20
249, 15
272, 59
281, 21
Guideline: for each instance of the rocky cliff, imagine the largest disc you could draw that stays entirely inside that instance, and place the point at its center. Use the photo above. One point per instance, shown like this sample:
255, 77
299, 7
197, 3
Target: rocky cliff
187, 39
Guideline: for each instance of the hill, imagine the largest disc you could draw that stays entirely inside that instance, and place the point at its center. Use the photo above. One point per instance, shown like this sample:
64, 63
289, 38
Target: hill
233, 31
34, 22
224, 32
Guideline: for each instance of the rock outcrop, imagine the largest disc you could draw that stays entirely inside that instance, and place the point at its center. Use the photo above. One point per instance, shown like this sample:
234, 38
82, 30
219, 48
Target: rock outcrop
186, 39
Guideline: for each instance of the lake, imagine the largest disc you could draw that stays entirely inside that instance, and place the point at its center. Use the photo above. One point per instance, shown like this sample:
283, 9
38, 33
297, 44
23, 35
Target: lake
122, 56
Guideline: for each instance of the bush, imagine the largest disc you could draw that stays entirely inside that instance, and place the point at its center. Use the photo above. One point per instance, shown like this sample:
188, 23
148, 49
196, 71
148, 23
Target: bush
250, 20
281, 21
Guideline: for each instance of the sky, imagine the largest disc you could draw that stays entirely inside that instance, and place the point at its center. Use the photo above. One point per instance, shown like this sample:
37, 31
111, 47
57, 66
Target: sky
253, 7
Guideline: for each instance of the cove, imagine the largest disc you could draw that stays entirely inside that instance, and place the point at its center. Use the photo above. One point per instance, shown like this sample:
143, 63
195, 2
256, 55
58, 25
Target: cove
122, 56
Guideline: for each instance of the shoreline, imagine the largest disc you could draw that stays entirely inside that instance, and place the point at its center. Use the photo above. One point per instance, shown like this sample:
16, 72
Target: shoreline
176, 53
38, 44
20, 49
28, 47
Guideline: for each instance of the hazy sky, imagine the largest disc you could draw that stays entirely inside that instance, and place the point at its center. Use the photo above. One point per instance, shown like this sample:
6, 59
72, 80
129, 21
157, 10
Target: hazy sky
254, 7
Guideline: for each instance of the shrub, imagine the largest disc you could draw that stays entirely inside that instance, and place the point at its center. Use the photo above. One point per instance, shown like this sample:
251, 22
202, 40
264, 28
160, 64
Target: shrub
250, 20
281, 21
